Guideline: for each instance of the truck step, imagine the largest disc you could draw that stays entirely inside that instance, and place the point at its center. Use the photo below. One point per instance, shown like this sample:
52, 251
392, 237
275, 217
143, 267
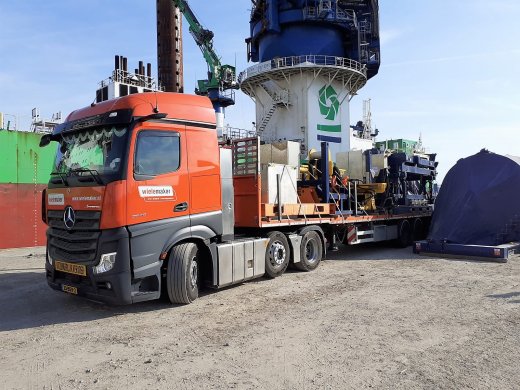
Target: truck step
141, 296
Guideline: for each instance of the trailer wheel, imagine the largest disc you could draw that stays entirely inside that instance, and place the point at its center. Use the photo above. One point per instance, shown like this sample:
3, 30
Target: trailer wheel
277, 255
403, 240
418, 230
182, 277
311, 252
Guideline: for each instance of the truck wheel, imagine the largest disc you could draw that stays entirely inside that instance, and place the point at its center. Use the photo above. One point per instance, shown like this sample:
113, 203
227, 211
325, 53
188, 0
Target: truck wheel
418, 230
182, 277
403, 240
311, 252
277, 255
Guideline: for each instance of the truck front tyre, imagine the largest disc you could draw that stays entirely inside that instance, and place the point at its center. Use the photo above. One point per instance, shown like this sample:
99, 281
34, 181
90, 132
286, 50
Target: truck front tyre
311, 252
182, 277
277, 255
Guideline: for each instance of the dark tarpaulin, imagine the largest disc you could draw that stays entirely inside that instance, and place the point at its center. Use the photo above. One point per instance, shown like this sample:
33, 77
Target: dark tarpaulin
479, 201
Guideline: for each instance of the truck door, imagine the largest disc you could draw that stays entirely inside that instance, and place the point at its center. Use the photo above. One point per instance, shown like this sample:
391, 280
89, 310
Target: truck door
158, 204
204, 169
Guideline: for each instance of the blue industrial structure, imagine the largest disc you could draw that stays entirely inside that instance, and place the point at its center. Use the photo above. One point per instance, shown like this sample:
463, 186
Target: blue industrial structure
338, 28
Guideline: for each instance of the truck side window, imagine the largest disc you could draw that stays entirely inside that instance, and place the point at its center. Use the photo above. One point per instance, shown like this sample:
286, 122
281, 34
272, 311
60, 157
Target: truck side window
157, 152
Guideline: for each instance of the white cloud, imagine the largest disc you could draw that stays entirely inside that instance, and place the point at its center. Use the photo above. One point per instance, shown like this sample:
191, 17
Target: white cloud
498, 6
390, 35
509, 54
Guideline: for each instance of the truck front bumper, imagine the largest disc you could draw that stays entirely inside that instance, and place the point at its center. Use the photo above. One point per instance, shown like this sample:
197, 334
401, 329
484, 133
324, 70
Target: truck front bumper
112, 287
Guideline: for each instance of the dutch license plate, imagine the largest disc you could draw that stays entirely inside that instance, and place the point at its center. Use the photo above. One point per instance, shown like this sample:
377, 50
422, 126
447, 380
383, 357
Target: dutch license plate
74, 269
69, 289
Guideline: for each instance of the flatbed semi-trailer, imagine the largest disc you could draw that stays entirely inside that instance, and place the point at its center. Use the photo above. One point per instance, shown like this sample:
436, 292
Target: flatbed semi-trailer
145, 200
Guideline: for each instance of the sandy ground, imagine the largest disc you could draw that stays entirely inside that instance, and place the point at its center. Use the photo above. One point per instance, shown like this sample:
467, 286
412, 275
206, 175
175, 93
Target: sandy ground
370, 317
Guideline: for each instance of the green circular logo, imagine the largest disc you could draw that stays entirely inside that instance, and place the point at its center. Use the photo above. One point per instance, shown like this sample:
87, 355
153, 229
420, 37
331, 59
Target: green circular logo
329, 103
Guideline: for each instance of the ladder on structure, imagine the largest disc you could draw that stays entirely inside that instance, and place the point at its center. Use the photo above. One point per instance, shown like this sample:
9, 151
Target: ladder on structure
365, 32
279, 98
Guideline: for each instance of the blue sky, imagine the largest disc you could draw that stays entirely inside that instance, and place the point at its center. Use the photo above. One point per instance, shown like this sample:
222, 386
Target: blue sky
449, 68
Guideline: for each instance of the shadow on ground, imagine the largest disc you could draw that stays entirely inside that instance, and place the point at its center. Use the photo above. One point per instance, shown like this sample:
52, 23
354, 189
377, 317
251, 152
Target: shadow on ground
28, 302
371, 251
507, 296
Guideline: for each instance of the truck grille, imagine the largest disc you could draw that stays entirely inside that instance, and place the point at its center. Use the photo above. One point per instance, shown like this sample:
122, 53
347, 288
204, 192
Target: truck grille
76, 245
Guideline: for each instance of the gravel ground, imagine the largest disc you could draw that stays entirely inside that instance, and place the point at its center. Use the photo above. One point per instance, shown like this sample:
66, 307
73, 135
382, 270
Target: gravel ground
370, 317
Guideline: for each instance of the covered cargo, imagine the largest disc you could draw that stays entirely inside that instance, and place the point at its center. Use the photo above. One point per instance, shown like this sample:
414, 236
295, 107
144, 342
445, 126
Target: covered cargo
478, 203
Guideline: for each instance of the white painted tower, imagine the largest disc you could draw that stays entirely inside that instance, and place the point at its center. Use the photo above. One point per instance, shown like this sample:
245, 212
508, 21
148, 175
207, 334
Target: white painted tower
306, 99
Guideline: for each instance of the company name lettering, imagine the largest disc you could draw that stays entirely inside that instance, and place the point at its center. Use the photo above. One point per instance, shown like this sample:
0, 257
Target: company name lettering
161, 192
86, 198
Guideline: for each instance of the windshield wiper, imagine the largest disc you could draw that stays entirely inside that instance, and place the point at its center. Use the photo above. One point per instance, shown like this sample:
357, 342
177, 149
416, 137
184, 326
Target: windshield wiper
62, 176
93, 172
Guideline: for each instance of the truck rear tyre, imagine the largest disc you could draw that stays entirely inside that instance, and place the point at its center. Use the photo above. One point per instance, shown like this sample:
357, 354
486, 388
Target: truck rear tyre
277, 255
418, 230
311, 252
182, 277
404, 230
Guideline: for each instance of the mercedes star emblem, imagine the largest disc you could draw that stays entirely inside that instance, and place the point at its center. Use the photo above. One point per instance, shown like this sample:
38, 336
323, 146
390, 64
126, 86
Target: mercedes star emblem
69, 217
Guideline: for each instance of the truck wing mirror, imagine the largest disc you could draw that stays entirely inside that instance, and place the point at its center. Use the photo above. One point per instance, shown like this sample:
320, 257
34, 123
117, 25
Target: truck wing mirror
45, 140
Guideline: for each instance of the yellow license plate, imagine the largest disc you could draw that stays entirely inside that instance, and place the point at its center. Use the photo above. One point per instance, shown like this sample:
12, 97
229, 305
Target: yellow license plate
74, 269
69, 289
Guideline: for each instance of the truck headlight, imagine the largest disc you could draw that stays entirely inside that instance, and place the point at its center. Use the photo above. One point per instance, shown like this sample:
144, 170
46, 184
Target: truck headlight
106, 263
49, 259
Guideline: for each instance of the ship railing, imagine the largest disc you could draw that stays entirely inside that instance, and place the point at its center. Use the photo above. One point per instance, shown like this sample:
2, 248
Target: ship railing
235, 133
310, 13
302, 61
346, 15
329, 12
124, 77
227, 94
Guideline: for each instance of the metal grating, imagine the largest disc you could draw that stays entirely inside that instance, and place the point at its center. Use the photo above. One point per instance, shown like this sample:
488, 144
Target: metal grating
246, 160
77, 245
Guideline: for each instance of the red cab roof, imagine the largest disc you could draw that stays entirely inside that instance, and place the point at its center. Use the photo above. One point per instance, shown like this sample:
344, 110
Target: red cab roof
175, 105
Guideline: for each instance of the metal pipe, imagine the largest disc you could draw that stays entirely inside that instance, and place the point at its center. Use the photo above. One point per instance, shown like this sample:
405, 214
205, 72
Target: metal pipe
368, 154
279, 191
355, 199
349, 197
325, 176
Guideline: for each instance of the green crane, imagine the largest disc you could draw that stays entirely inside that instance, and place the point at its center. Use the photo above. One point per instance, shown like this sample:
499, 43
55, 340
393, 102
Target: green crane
221, 78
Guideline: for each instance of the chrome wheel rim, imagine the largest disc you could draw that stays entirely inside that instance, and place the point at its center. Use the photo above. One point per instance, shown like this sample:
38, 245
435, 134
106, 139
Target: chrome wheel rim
194, 273
311, 251
277, 254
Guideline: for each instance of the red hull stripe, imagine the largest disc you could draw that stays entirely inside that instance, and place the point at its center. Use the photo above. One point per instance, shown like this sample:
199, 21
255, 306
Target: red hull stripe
20, 211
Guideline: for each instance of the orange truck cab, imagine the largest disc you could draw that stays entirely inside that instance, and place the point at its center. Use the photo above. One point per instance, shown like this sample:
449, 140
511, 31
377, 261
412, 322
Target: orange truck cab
135, 203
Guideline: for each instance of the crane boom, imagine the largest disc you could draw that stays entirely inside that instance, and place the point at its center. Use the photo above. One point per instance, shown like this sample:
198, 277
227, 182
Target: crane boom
220, 77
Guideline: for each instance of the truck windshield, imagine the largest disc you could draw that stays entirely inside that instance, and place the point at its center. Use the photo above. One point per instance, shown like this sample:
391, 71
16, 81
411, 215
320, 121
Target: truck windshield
99, 151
